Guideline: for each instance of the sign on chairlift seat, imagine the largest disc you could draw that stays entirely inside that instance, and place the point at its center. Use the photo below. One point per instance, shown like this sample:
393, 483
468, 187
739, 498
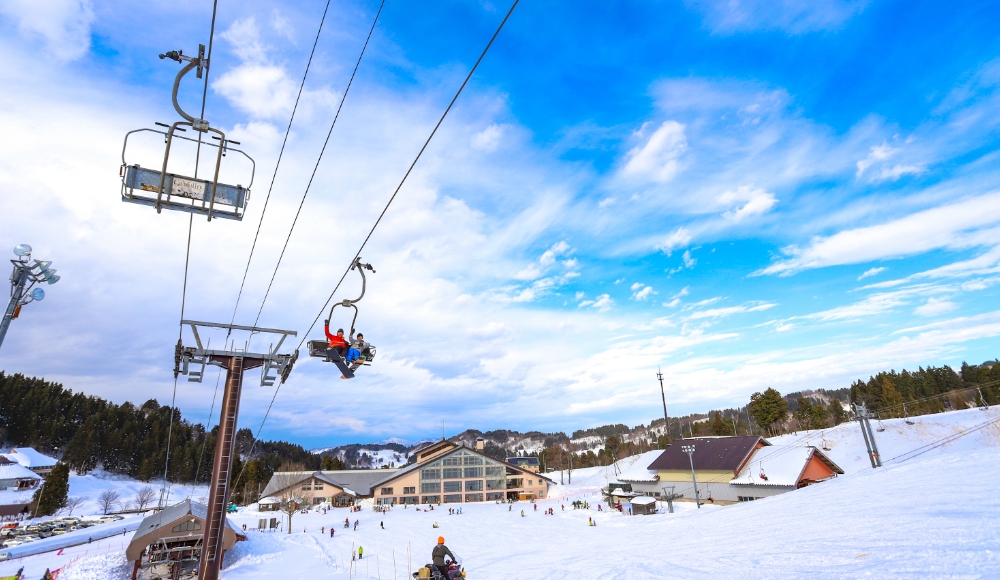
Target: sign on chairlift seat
139, 181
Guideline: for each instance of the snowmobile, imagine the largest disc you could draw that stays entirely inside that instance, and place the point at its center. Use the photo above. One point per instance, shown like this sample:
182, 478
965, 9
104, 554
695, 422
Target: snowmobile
429, 572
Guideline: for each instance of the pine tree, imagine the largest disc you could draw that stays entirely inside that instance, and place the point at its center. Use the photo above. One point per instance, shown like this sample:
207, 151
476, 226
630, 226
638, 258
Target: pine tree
720, 426
837, 412
52, 495
768, 407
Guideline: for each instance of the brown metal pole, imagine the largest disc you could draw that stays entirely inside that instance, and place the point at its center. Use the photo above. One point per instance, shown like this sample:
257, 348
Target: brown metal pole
212, 550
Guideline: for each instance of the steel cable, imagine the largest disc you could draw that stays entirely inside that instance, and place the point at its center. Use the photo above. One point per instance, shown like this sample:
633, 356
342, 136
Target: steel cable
384, 210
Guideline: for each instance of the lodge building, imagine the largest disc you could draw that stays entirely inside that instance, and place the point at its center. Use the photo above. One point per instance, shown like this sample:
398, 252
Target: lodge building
444, 472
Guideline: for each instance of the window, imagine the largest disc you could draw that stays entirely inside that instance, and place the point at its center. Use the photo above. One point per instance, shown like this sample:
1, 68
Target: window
454, 460
494, 470
318, 485
410, 500
317, 500
454, 498
452, 472
474, 485
746, 498
432, 487
306, 486
515, 482
431, 499
470, 497
473, 472
409, 490
530, 482
496, 483
387, 500
452, 486
494, 496
473, 460
188, 526
430, 474
386, 491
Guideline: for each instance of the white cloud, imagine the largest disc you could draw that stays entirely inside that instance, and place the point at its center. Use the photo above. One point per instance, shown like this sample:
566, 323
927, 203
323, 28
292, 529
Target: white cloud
606, 202
689, 262
680, 238
64, 25
730, 310
871, 272
658, 160
603, 303
935, 306
641, 291
792, 16
282, 26
488, 139
879, 155
950, 226
755, 202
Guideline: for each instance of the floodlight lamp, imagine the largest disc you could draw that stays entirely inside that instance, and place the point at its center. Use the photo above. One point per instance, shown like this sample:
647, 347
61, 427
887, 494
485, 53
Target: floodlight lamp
54, 279
42, 265
22, 250
49, 273
38, 294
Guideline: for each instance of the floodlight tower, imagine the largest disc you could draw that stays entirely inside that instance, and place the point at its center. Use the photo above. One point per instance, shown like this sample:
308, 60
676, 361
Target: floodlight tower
689, 449
22, 282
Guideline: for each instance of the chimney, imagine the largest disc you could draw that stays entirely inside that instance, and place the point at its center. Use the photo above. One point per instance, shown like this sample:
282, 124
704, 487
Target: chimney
480, 444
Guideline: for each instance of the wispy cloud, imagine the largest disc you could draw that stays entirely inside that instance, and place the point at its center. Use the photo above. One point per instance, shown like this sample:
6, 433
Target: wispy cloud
602, 303
729, 17
755, 201
956, 225
641, 291
658, 158
871, 272
730, 310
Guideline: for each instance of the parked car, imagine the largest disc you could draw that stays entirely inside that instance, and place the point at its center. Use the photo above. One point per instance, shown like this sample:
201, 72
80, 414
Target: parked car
29, 538
12, 543
58, 531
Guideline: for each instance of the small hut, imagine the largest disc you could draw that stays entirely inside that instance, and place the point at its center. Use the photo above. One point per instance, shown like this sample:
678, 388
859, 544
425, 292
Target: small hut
643, 505
169, 542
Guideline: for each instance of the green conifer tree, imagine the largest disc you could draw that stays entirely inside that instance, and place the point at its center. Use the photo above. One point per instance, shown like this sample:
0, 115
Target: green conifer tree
52, 495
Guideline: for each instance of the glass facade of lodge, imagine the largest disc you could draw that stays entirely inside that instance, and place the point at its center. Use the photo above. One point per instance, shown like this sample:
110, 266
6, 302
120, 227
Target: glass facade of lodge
460, 477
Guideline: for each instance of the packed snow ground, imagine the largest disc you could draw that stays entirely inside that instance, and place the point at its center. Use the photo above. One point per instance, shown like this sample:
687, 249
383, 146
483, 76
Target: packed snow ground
928, 515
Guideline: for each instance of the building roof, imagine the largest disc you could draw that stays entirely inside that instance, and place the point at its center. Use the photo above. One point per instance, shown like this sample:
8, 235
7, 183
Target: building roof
174, 513
782, 464
346, 480
643, 500
710, 453
30, 458
268, 500
16, 471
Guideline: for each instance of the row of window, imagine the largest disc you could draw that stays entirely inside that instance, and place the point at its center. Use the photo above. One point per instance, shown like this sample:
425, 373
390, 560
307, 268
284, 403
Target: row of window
309, 485
450, 472
406, 490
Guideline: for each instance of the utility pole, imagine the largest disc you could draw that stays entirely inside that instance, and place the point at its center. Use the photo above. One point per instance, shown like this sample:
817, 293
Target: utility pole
861, 411
663, 395
670, 497
689, 449
22, 280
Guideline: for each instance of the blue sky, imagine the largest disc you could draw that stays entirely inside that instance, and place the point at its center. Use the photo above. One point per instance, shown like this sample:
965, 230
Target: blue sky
744, 194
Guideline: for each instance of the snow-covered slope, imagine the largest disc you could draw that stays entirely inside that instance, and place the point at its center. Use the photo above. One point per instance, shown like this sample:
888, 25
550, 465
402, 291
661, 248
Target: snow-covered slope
931, 515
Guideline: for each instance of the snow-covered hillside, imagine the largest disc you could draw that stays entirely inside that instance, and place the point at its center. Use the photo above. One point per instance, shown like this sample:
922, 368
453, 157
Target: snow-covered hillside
930, 512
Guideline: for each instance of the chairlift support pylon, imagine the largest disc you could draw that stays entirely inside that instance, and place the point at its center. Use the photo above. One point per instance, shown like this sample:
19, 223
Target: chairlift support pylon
236, 362
139, 184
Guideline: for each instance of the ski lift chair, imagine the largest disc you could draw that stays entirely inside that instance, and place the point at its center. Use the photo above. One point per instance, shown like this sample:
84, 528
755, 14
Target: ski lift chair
321, 348
161, 189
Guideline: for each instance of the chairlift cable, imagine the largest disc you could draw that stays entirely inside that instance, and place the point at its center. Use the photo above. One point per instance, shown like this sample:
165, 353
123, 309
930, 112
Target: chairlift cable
408, 171
384, 210
316, 166
187, 256
281, 153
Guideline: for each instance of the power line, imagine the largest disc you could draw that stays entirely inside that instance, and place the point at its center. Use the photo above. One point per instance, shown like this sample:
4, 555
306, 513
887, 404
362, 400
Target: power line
281, 153
316, 166
384, 210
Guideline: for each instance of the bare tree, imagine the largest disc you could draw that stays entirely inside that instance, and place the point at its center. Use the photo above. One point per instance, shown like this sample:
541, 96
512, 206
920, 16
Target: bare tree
144, 497
108, 499
72, 503
289, 490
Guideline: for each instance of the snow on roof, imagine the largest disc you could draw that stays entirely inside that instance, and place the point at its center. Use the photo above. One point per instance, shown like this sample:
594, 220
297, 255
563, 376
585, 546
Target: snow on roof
782, 464
29, 458
175, 512
639, 470
16, 471
268, 500
643, 500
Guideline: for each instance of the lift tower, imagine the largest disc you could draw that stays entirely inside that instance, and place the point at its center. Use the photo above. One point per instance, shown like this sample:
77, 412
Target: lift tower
191, 361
